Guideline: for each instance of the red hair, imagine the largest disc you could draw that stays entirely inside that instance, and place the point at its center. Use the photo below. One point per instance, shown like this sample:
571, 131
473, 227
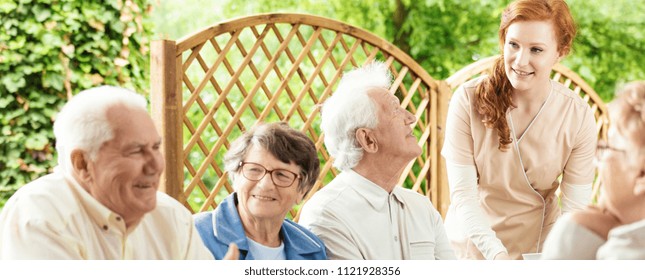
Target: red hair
493, 93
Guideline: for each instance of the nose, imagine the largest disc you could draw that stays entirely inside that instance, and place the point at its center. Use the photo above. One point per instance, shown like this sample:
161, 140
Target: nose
266, 181
154, 163
410, 118
521, 58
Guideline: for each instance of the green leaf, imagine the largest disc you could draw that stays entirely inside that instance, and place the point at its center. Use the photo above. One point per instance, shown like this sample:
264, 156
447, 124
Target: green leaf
36, 142
41, 13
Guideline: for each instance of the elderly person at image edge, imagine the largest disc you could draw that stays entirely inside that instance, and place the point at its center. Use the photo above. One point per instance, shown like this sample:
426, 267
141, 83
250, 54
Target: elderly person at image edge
101, 202
615, 228
272, 167
362, 214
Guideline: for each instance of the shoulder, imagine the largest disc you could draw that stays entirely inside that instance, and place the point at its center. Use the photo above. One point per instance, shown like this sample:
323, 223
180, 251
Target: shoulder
594, 219
564, 94
336, 193
415, 199
171, 210
48, 198
169, 204
466, 91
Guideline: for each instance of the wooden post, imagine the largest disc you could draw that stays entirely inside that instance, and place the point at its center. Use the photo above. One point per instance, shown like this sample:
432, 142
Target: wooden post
166, 107
445, 92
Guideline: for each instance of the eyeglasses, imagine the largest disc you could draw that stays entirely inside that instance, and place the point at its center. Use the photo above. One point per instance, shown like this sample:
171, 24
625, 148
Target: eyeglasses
255, 172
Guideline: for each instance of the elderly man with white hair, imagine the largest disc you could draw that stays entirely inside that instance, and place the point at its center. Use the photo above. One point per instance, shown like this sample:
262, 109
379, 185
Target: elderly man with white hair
362, 213
101, 201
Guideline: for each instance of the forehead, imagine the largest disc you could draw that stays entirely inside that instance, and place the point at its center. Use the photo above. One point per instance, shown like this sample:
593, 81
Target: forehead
382, 96
132, 125
259, 154
532, 32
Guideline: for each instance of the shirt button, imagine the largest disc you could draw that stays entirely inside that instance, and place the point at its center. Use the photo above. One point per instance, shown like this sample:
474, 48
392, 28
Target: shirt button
118, 218
105, 227
396, 239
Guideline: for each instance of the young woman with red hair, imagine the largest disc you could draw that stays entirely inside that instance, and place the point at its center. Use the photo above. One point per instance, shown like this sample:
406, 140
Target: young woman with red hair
511, 136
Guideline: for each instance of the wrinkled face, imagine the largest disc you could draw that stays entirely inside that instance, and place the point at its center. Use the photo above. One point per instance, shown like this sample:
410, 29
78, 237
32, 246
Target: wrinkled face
530, 51
621, 168
394, 131
125, 175
263, 200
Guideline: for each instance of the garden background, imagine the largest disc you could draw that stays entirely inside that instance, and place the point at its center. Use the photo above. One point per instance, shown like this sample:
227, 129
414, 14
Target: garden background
52, 49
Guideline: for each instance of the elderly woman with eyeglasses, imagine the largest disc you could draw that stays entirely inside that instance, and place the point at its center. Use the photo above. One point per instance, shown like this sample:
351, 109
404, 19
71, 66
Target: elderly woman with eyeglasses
615, 229
272, 167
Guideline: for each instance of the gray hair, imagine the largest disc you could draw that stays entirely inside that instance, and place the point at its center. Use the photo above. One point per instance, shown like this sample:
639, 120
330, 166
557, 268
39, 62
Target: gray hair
350, 108
83, 124
283, 142
627, 112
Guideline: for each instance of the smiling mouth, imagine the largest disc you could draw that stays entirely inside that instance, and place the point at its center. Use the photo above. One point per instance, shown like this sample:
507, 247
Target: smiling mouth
522, 73
143, 186
265, 198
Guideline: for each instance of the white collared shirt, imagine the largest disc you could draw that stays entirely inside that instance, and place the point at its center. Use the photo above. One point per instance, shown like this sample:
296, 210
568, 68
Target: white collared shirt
357, 219
55, 218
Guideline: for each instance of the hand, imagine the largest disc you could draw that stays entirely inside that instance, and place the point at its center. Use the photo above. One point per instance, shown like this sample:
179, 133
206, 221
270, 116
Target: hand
502, 256
233, 252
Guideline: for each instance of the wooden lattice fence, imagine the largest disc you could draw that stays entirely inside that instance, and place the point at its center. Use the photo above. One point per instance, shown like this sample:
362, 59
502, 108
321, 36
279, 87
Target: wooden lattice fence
211, 86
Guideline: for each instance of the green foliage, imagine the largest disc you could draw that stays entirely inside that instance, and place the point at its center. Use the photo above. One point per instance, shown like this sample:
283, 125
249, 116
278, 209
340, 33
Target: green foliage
49, 50
446, 35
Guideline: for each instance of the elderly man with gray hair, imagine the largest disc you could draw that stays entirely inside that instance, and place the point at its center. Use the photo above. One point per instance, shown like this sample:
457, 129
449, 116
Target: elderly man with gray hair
362, 213
101, 201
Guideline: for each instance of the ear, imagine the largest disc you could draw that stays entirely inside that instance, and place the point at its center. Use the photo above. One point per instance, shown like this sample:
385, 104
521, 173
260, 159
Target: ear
367, 140
80, 165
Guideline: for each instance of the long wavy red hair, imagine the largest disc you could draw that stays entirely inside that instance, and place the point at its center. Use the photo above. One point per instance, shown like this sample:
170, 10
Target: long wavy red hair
493, 93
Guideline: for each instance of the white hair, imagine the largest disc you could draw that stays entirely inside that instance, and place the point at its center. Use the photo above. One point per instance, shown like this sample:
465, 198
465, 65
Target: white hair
350, 108
83, 124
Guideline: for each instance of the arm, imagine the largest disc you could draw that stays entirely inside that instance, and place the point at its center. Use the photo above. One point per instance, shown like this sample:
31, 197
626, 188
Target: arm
579, 170
458, 150
443, 250
462, 180
575, 197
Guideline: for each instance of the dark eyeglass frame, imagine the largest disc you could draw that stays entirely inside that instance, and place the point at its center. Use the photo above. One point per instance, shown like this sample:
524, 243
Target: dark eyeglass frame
243, 163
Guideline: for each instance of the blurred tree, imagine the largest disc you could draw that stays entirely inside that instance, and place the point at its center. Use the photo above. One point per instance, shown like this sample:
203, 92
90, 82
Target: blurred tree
446, 35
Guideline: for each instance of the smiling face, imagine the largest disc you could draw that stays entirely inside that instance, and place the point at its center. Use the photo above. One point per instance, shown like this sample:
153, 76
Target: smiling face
393, 132
530, 51
262, 200
125, 175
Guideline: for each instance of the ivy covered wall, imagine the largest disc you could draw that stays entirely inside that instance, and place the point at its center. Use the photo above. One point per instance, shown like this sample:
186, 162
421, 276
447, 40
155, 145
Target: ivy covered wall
51, 50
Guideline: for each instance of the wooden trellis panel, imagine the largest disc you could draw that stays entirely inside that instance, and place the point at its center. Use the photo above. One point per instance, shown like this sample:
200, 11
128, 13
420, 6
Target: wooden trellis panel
561, 74
211, 86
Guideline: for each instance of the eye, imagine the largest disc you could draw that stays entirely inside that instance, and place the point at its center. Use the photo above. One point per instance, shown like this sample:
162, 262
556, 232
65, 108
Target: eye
536, 50
513, 45
284, 175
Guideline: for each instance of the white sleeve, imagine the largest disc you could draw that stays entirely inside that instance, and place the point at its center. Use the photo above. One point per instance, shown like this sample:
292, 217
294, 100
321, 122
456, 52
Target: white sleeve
462, 180
575, 197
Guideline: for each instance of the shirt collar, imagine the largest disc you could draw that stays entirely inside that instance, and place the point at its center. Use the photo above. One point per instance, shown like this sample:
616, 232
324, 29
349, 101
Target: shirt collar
376, 196
228, 228
227, 224
296, 241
